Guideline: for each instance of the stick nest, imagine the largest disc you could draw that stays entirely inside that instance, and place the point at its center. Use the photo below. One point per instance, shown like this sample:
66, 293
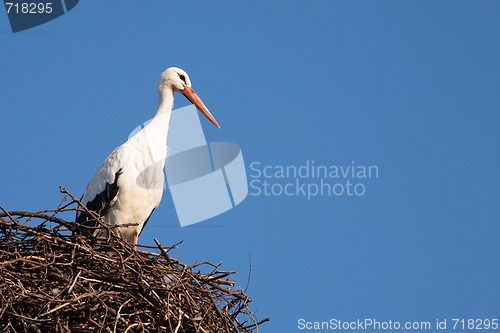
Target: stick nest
54, 278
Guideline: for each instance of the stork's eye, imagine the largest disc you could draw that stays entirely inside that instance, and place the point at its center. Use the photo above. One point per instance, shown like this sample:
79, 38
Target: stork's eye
183, 78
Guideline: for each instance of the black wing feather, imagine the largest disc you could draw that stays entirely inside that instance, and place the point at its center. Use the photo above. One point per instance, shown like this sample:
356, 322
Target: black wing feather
101, 204
146, 222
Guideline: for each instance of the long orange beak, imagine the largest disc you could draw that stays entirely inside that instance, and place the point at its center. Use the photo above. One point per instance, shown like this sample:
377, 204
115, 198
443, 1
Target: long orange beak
193, 97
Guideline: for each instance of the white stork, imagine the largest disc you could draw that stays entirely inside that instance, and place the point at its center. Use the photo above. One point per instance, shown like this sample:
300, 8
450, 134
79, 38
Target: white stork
128, 186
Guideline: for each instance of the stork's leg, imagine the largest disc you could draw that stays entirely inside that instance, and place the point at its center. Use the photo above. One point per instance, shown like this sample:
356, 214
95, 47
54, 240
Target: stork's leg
136, 237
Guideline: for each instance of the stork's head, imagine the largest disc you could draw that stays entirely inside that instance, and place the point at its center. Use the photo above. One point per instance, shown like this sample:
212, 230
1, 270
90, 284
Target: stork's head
178, 81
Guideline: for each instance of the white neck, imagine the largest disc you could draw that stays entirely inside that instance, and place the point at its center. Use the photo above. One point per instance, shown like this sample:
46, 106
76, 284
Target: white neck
166, 95
162, 116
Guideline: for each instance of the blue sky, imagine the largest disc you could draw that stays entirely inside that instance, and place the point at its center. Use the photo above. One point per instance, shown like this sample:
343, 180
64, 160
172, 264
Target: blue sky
411, 87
